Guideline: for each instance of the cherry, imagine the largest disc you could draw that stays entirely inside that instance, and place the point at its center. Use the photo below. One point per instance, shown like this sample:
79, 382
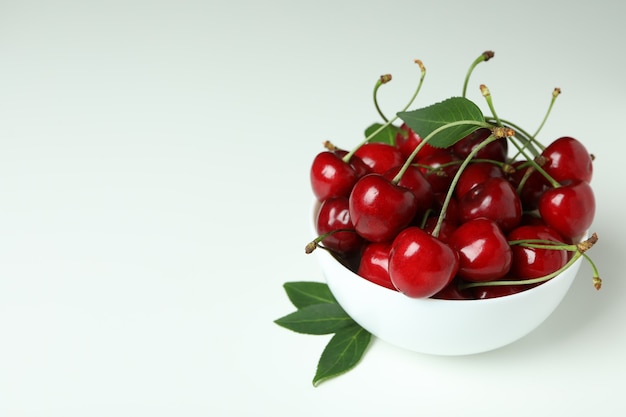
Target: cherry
529, 262
414, 180
445, 231
495, 291
379, 208
331, 176
407, 140
567, 159
495, 151
494, 199
569, 209
484, 252
421, 265
439, 169
333, 215
474, 174
452, 214
533, 186
374, 264
380, 157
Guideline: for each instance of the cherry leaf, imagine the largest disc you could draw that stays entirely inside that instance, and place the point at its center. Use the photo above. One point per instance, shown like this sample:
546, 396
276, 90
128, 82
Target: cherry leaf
342, 353
428, 119
306, 293
316, 319
386, 134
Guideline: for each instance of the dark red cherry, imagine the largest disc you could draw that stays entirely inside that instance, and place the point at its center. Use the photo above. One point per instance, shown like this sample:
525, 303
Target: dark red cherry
569, 209
533, 187
496, 150
439, 169
474, 174
334, 214
331, 177
374, 264
421, 265
484, 252
445, 231
380, 209
414, 180
380, 157
407, 140
494, 199
567, 159
531, 263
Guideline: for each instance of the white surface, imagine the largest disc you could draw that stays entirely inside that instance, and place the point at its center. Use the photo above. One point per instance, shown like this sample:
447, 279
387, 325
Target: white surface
154, 192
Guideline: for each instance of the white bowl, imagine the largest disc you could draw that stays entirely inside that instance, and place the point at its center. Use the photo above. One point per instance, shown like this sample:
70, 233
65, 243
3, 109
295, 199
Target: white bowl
442, 327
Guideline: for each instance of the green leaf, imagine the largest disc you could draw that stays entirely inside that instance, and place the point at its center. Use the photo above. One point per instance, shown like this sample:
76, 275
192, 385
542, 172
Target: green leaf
427, 120
386, 135
316, 319
306, 293
342, 353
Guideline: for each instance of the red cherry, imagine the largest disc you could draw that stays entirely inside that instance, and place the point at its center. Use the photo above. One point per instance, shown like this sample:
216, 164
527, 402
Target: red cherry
474, 174
332, 177
380, 157
379, 208
534, 185
374, 264
495, 151
484, 252
569, 209
445, 231
568, 159
334, 214
407, 140
421, 265
531, 263
494, 199
495, 291
414, 180
439, 169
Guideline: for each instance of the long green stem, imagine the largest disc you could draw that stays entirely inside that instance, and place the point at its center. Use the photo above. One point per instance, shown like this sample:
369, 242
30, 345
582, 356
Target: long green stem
555, 94
384, 79
484, 57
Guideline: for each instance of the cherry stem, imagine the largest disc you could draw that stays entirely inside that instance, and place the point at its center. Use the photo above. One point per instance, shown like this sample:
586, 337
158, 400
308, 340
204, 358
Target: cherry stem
535, 165
347, 157
487, 95
555, 94
384, 79
526, 139
484, 57
455, 180
314, 244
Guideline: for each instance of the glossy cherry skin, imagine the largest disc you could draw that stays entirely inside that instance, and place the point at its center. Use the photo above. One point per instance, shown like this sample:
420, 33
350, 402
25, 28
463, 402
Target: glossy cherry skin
531, 263
569, 209
474, 174
374, 265
421, 265
331, 177
439, 169
407, 140
334, 214
495, 151
414, 180
380, 157
484, 252
494, 199
567, 159
380, 209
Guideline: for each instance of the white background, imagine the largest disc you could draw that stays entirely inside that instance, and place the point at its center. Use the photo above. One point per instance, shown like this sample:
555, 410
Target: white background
154, 196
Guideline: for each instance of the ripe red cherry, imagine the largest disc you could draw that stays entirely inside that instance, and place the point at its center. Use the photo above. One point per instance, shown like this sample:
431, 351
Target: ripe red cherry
374, 264
484, 252
569, 209
334, 214
380, 209
380, 157
568, 159
445, 231
494, 199
495, 151
474, 174
407, 140
414, 180
421, 265
534, 185
332, 177
439, 169
531, 263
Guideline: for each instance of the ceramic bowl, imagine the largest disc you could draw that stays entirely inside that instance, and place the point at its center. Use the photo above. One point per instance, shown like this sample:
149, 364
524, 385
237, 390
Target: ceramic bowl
442, 327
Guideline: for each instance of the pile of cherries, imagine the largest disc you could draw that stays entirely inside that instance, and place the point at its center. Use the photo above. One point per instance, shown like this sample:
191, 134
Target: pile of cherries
463, 222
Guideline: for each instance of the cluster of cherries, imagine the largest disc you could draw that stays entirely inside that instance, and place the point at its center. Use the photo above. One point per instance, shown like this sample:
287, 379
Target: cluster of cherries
463, 222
